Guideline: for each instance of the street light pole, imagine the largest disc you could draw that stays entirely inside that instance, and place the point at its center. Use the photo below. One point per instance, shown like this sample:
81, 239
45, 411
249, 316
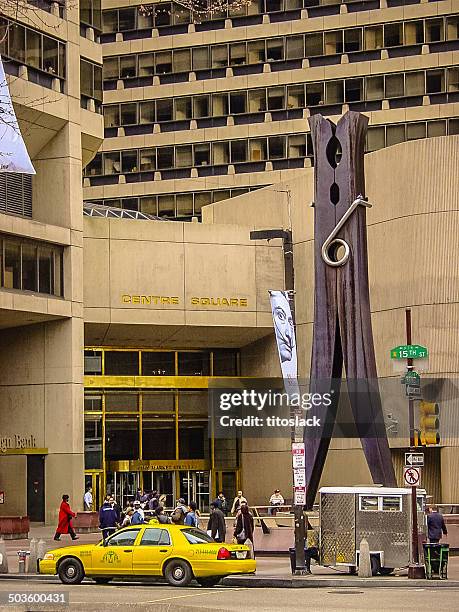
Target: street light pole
415, 570
289, 284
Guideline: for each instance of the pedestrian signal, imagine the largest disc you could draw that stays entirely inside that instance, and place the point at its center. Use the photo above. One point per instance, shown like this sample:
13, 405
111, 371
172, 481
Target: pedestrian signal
429, 424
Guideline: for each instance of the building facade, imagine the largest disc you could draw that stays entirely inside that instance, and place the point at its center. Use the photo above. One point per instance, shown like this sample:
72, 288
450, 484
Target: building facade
113, 323
197, 112
41, 256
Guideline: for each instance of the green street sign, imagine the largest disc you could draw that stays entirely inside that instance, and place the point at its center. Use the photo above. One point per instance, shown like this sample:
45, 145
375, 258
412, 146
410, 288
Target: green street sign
411, 378
409, 351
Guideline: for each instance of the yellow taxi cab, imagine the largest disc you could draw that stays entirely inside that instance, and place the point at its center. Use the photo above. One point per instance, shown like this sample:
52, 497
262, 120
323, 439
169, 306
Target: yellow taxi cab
177, 552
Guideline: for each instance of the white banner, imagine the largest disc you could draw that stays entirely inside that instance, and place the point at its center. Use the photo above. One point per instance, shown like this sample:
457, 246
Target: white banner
285, 333
13, 152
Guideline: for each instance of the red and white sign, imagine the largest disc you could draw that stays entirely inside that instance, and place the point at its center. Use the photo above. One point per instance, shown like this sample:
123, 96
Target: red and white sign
412, 476
299, 496
2, 497
298, 455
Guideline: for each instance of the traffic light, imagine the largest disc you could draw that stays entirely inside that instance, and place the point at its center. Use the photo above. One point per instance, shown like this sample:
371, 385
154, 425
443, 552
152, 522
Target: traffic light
429, 424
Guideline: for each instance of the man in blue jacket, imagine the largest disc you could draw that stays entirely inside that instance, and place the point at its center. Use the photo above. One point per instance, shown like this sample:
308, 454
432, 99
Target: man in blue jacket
108, 518
436, 525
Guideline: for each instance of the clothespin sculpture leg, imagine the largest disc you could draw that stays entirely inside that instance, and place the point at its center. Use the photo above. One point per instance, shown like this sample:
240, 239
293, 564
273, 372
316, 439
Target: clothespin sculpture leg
342, 318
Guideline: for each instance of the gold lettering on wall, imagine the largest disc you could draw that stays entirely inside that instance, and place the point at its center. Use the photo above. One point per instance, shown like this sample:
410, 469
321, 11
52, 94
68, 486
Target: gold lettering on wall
161, 300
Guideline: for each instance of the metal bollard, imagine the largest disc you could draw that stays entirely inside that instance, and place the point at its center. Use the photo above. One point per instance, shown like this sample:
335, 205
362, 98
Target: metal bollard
32, 565
3, 557
22, 554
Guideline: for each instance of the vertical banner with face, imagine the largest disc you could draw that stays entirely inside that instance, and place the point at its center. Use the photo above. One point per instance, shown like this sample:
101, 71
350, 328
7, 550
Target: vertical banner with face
13, 152
285, 333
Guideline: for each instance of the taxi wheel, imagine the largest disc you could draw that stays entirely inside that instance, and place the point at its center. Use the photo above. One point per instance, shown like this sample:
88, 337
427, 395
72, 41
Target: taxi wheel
101, 580
71, 571
209, 582
178, 573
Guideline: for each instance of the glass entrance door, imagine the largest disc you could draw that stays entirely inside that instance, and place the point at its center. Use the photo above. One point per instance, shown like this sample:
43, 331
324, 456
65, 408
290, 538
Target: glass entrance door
95, 481
161, 482
195, 486
123, 486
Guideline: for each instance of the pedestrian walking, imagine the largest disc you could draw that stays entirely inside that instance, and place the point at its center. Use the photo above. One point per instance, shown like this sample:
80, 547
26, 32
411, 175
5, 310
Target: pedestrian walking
244, 528
192, 518
237, 502
216, 526
65, 520
223, 504
87, 499
161, 516
108, 518
435, 525
153, 502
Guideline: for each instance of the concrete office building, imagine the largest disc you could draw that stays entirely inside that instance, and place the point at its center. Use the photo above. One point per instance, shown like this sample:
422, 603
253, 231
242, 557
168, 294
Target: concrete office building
112, 328
53, 73
198, 112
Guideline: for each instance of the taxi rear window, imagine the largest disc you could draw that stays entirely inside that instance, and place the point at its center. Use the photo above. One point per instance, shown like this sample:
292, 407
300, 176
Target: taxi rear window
155, 537
196, 536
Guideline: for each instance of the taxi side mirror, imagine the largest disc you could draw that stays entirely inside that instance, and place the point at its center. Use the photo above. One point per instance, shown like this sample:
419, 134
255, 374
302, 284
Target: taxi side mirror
104, 542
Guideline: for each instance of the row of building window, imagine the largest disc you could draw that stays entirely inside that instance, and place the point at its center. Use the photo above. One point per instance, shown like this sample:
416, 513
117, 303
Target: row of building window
48, 6
30, 266
164, 14
201, 154
283, 97
219, 362
32, 48
189, 402
175, 205
283, 48
250, 154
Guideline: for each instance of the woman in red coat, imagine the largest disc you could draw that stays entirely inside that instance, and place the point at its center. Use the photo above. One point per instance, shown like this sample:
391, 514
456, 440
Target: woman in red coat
65, 520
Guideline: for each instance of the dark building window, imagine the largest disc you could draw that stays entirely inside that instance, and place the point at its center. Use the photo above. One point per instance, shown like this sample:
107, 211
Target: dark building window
91, 84
30, 265
91, 14
121, 363
121, 438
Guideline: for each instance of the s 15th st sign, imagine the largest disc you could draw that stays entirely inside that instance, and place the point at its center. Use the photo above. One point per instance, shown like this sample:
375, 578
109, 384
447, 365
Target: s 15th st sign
409, 351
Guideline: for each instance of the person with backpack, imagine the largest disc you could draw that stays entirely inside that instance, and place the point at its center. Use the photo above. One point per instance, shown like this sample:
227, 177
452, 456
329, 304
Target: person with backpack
180, 512
244, 528
161, 516
192, 518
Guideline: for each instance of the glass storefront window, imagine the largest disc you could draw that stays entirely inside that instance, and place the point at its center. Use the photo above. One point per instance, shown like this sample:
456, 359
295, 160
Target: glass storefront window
121, 438
121, 402
93, 442
193, 441
158, 364
92, 402
158, 438
193, 364
121, 363
158, 401
224, 363
193, 402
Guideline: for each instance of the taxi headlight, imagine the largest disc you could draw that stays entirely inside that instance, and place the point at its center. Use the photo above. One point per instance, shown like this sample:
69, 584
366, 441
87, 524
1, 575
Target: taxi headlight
48, 557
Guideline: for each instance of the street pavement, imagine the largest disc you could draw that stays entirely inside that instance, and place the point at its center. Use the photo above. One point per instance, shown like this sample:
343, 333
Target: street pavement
89, 597
338, 592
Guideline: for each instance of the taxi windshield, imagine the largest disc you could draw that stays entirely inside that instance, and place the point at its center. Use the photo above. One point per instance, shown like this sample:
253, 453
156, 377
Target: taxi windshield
196, 536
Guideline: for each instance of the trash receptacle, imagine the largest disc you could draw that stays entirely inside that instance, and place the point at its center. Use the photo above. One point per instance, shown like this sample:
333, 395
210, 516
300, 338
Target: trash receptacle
292, 553
436, 560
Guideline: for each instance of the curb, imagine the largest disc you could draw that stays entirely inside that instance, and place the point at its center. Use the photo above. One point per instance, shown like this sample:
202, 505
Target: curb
311, 582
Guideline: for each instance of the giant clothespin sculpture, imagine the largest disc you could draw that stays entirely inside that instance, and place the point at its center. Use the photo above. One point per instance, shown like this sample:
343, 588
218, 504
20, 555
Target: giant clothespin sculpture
342, 318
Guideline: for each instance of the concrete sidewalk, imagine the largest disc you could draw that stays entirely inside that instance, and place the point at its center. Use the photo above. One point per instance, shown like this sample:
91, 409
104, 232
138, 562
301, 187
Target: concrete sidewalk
272, 571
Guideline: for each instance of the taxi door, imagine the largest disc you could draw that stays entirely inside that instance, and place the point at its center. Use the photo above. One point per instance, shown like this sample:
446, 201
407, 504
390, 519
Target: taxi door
149, 554
115, 559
